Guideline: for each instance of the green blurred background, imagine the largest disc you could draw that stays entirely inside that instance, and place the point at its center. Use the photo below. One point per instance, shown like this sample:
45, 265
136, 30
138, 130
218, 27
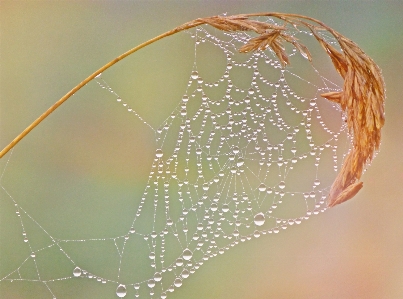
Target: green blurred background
79, 173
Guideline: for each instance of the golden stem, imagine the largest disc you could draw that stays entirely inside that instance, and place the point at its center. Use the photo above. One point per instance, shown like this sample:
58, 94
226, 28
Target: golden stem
283, 16
185, 26
17, 139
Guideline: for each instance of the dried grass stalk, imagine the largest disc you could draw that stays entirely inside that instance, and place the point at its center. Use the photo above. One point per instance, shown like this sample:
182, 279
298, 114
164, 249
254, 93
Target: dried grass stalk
362, 97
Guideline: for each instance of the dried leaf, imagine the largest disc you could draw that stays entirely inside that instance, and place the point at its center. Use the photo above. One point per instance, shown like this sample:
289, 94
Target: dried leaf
334, 96
278, 48
300, 47
346, 194
338, 59
239, 23
269, 39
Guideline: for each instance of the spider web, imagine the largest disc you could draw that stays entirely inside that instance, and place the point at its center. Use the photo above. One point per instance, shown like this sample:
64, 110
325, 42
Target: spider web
248, 152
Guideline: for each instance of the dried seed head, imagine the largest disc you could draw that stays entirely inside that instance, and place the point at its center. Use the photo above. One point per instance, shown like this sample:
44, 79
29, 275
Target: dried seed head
362, 97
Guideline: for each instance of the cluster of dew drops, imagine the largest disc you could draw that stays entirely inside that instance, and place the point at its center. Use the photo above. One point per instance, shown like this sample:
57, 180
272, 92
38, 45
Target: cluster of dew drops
259, 218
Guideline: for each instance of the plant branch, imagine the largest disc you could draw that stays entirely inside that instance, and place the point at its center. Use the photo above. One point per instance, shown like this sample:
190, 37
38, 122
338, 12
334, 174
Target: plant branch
88, 79
362, 97
185, 26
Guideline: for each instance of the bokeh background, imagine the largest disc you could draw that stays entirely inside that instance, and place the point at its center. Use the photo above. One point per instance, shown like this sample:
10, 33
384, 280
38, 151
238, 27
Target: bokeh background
81, 169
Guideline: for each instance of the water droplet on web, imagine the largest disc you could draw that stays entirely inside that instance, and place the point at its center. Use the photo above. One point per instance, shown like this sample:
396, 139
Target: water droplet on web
240, 162
121, 291
179, 262
304, 54
259, 219
157, 276
151, 283
187, 254
178, 282
194, 75
76, 272
281, 185
185, 273
159, 153
312, 102
262, 187
214, 207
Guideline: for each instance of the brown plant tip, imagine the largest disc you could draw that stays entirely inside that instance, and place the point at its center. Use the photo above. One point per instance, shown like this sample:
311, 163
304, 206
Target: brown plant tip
346, 194
337, 58
334, 96
270, 39
274, 40
270, 35
239, 23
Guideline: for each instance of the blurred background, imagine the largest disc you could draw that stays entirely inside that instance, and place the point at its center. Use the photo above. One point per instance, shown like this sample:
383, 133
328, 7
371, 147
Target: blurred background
81, 172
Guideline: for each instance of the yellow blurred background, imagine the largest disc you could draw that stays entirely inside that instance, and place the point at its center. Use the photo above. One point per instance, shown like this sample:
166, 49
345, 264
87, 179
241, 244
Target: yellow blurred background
46, 47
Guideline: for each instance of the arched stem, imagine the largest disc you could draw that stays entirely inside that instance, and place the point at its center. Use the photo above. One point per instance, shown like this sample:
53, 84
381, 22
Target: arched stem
89, 78
185, 26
